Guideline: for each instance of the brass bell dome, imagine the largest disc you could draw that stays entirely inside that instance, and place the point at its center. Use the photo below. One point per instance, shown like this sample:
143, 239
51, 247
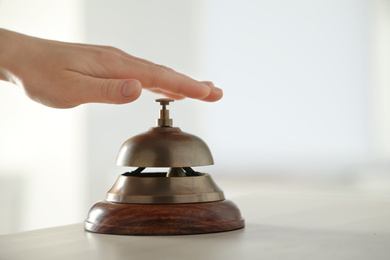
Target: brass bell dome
164, 146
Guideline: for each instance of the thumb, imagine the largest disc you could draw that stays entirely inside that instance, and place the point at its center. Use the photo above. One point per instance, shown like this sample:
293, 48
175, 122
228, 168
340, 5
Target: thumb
112, 91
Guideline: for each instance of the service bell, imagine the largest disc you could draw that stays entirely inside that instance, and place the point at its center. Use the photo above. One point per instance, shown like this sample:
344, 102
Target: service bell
179, 201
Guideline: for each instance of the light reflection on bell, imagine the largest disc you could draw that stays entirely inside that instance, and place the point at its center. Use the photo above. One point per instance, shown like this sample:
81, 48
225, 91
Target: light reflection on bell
164, 147
179, 201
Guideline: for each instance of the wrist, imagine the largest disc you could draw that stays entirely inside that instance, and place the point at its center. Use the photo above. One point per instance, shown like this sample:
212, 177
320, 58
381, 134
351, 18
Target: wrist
8, 54
4, 54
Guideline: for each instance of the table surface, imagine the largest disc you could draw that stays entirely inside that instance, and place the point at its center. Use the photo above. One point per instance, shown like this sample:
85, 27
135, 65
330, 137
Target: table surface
279, 225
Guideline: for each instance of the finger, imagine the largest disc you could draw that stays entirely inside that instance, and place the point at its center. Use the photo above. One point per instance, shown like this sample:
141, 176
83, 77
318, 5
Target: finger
169, 81
215, 93
176, 97
112, 91
151, 75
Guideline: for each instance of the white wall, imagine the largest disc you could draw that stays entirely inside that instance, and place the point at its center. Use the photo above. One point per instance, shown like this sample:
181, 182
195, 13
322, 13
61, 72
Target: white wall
299, 78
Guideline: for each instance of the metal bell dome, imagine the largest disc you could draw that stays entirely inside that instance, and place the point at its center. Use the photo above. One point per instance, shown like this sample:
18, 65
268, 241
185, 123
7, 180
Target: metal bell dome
164, 146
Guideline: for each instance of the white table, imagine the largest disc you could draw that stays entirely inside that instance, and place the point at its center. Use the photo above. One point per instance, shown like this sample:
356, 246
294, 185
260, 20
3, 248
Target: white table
279, 225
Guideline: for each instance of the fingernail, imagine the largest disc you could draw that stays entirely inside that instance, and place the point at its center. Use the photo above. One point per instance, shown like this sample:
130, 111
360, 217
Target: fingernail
207, 89
130, 88
220, 93
208, 83
205, 85
219, 90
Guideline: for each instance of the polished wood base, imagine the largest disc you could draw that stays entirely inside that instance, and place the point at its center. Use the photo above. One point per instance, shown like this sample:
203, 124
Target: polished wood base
163, 219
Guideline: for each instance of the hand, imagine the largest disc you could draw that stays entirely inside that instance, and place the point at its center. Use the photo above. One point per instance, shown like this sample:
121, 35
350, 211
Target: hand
65, 75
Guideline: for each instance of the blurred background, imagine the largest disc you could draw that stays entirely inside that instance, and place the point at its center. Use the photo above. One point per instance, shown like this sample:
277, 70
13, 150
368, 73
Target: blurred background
306, 99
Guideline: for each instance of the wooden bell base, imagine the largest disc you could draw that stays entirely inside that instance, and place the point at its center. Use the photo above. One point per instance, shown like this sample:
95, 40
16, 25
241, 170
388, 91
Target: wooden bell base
163, 219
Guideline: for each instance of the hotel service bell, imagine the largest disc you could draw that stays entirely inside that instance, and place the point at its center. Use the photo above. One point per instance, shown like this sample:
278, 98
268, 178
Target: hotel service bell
177, 202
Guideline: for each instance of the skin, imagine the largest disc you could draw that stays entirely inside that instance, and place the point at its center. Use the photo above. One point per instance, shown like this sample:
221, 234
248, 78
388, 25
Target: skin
65, 75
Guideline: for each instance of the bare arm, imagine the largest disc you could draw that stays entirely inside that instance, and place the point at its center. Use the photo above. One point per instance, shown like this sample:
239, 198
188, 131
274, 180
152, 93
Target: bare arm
64, 75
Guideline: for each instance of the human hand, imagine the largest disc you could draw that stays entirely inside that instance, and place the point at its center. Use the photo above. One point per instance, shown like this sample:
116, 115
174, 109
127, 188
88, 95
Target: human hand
65, 75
